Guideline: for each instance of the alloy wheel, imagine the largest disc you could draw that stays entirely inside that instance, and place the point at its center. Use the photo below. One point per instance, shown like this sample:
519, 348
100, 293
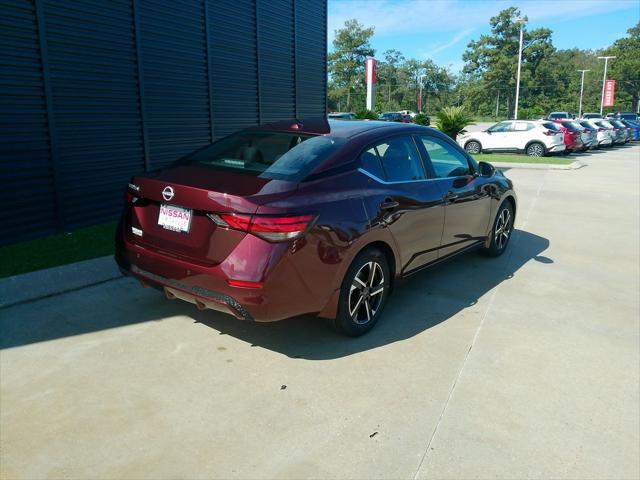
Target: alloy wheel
366, 292
535, 150
473, 147
503, 229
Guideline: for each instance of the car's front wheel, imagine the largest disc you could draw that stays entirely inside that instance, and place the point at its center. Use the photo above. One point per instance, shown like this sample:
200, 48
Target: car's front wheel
502, 229
473, 147
363, 293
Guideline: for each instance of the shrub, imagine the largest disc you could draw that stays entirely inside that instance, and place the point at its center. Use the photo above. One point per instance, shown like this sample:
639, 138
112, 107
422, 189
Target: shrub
452, 121
422, 119
366, 115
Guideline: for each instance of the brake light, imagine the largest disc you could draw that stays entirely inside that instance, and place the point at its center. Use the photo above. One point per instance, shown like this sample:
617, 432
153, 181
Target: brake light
244, 284
267, 227
130, 198
278, 229
548, 133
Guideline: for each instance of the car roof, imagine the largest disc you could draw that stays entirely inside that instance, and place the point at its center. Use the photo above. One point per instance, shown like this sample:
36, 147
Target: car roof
333, 128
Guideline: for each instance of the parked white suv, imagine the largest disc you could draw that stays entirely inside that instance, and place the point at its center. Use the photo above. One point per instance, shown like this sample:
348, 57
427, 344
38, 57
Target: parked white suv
536, 138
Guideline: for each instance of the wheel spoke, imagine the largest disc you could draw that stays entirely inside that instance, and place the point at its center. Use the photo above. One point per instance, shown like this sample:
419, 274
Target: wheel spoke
360, 281
366, 307
355, 309
377, 291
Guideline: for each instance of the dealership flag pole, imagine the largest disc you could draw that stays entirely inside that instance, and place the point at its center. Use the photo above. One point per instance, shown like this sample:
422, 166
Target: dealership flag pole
604, 80
370, 79
581, 90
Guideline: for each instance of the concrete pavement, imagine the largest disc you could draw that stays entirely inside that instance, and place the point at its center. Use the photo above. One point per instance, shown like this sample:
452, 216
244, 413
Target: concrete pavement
525, 366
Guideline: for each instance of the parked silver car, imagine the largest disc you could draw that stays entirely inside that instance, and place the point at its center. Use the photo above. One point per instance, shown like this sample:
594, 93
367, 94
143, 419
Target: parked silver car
601, 137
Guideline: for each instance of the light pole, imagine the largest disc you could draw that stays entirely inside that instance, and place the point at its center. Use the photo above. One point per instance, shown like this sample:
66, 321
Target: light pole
581, 90
420, 100
515, 112
604, 80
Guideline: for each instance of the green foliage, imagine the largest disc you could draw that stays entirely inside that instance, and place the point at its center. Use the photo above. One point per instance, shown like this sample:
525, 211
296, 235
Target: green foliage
452, 121
351, 47
625, 69
365, 114
422, 119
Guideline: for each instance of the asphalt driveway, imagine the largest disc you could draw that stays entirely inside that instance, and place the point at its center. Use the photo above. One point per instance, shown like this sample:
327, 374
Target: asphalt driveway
526, 366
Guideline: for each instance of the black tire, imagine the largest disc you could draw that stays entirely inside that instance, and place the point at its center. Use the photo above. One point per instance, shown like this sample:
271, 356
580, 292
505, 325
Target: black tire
359, 306
473, 147
500, 240
536, 149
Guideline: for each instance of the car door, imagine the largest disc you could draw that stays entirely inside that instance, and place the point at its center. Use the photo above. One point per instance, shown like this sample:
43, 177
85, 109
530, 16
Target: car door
520, 135
402, 199
497, 136
466, 195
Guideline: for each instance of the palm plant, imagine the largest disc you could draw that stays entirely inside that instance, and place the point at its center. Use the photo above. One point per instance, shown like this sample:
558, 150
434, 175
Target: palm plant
452, 121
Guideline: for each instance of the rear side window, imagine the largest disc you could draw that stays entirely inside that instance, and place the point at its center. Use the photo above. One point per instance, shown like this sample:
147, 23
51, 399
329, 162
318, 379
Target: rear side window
273, 155
445, 159
398, 160
522, 126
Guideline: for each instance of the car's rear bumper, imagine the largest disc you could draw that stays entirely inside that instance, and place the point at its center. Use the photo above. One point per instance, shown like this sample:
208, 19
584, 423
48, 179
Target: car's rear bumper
280, 295
557, 148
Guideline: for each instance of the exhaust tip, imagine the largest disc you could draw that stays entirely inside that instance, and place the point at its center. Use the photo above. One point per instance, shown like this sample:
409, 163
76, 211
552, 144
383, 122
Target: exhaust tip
170, 295
200, 305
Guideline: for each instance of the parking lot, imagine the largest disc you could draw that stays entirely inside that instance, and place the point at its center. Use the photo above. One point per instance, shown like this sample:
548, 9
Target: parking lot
525, 366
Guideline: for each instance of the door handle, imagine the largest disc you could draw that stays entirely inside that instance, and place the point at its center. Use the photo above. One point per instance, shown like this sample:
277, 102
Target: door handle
389, 204
450, 196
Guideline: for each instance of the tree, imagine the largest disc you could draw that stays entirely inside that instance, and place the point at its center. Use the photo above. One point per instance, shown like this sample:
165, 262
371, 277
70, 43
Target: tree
625, 68
491, 61
351, 47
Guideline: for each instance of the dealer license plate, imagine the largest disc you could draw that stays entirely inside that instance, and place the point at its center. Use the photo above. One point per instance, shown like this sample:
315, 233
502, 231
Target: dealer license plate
175, 218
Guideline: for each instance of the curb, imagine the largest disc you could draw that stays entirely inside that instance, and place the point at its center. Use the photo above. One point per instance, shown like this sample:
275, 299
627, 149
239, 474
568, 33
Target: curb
539, 166
54, 281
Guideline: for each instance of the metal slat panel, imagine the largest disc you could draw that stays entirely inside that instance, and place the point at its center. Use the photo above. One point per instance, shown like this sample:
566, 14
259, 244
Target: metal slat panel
174, 65
94, 83
25, 166
276, 56
233, 69
311, 57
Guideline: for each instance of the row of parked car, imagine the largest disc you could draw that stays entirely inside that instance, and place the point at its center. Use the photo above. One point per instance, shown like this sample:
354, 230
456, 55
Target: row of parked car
403, 116
550, 136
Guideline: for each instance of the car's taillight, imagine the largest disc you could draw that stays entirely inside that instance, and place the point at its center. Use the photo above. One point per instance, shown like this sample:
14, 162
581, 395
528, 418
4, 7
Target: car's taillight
601, 129
548, 133
130, 196
269, 227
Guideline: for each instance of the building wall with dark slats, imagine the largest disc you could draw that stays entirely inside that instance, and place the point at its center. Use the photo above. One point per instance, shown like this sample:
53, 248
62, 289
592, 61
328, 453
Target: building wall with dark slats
311, 65
276, 59
26, 172
233, 65
173, 56
94, 92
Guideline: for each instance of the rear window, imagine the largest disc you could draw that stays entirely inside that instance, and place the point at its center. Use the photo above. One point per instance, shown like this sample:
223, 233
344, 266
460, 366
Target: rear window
587, 125
551, 126
273, 155
572, 126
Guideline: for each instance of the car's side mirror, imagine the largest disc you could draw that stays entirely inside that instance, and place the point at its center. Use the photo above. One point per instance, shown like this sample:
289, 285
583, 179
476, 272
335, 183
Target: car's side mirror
486, 169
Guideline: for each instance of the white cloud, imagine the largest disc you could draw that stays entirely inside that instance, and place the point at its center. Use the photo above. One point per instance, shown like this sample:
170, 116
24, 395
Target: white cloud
413, 16
441, 47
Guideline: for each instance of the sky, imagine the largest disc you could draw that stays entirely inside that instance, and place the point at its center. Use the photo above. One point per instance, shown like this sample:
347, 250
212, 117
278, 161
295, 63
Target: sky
441, 29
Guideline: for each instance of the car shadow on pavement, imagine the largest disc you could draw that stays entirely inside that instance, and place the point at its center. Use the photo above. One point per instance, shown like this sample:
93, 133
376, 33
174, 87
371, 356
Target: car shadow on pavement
417, 304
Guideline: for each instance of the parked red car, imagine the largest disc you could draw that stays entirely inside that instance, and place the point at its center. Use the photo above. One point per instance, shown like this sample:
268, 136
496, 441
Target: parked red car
572, 139
310, 217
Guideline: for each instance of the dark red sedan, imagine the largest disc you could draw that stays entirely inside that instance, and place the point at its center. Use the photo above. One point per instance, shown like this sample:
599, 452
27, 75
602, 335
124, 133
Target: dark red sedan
310, 217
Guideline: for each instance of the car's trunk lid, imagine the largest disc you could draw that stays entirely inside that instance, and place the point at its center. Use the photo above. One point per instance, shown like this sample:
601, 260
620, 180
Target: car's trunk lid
194, 192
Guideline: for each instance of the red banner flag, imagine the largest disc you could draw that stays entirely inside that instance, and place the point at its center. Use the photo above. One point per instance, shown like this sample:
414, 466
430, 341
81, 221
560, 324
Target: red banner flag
609, 93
